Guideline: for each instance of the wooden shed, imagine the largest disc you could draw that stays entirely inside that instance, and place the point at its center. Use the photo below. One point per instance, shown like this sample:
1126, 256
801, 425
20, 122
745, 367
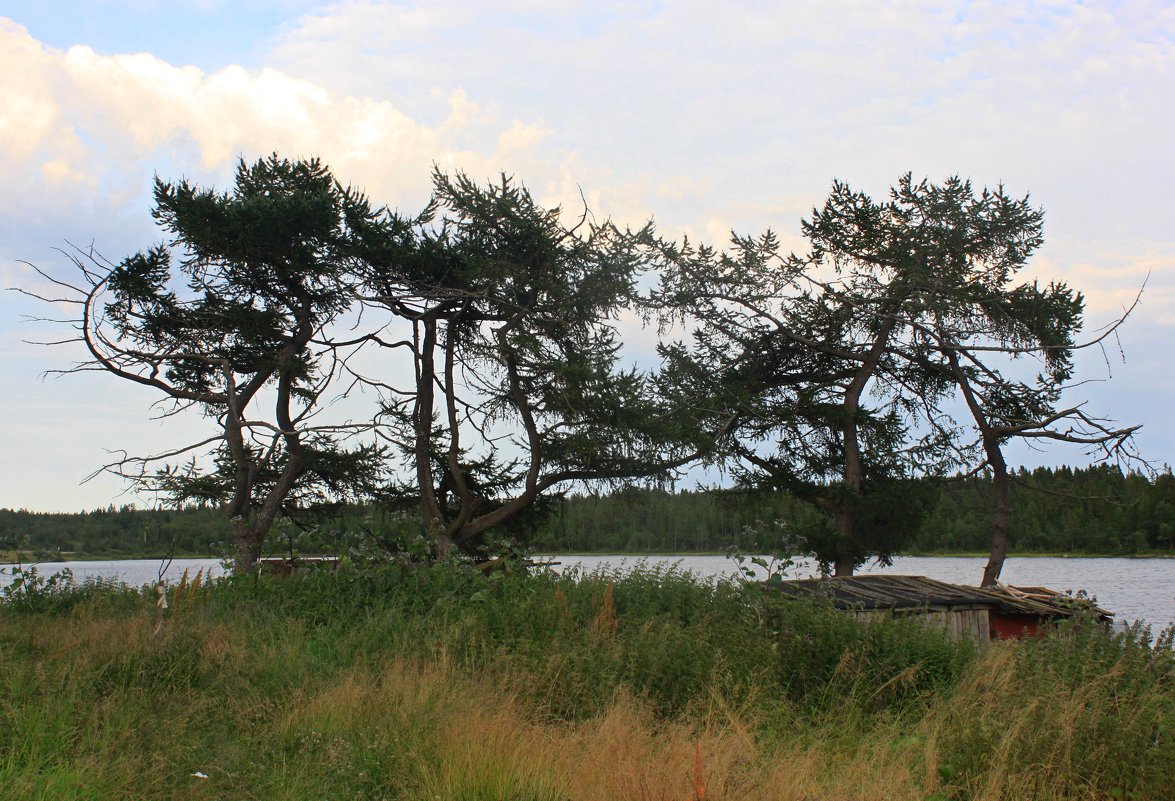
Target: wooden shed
982, 614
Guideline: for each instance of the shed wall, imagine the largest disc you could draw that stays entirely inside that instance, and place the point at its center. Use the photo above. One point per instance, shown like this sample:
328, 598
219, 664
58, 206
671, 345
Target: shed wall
957, 623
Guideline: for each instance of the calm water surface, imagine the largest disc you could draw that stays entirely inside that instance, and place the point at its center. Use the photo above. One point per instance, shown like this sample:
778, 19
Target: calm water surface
1134, 589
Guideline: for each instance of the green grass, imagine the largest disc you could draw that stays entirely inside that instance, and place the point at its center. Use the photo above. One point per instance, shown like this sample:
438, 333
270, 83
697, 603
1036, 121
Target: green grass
425, 683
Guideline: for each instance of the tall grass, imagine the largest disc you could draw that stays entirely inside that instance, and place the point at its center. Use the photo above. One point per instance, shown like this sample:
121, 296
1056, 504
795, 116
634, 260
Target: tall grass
439, 683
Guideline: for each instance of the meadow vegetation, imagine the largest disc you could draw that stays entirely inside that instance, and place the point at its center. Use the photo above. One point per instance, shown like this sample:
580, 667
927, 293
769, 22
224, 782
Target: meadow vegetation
404, 682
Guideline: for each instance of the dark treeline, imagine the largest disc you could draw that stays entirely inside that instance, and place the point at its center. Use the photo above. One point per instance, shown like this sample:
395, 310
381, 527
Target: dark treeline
1091, 510
1095, 510
115, 531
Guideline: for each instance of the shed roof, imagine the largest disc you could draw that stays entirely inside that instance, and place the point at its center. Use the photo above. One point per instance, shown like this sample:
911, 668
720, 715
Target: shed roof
1056, 599
920, 592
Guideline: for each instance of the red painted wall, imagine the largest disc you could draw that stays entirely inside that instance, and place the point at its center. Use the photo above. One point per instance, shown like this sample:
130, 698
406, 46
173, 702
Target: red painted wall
1012, 627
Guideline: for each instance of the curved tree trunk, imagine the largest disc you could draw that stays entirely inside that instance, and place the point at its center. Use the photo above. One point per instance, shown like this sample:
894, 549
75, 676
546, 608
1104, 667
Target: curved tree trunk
990, 435
1001, 482
854, 469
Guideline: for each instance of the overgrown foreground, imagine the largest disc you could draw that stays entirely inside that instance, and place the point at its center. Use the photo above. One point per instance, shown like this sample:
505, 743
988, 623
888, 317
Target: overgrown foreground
438, 683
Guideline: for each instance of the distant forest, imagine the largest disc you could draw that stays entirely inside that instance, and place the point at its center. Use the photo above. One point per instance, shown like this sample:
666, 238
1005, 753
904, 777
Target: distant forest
1095, 510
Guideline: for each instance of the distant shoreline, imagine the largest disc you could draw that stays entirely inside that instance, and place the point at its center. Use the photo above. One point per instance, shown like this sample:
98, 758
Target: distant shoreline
41, 557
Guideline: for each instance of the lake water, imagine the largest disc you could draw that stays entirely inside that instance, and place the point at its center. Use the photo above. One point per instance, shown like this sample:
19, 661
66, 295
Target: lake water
1134, 589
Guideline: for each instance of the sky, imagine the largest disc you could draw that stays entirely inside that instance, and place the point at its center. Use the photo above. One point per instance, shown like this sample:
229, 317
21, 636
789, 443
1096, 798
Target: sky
706, 121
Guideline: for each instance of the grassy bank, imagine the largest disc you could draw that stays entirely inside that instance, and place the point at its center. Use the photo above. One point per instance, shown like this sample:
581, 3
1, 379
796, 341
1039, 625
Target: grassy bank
439, 683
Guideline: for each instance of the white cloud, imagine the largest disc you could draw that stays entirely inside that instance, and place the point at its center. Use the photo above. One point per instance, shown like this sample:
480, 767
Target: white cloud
87, 121
760, 100
521, 137
706, 121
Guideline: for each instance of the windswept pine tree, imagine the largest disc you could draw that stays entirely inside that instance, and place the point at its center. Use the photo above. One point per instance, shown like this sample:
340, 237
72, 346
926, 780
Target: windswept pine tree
839, 366
226, 319
518, 388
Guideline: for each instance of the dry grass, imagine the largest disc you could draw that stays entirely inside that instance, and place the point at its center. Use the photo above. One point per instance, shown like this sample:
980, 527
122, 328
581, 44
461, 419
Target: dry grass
474, 739
626, 754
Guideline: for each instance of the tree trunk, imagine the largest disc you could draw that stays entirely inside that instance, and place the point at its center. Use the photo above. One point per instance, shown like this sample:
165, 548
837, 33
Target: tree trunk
422, 421
854, 468
246, 547
442, 543
844, 528
1001, 483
